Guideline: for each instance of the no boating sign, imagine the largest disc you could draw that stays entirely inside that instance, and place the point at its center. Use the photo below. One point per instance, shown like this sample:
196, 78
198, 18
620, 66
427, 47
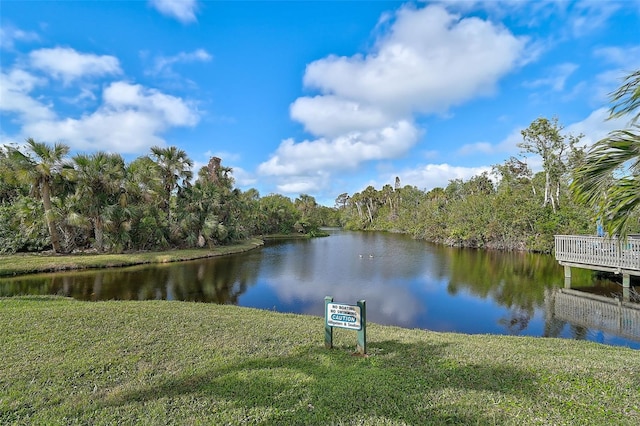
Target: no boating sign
343, 315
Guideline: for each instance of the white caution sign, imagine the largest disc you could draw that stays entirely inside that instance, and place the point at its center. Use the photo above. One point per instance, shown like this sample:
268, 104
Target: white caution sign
343, 316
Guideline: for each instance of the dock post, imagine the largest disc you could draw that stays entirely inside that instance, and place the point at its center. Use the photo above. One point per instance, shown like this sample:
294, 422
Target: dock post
626, 280
567, 276
626, 287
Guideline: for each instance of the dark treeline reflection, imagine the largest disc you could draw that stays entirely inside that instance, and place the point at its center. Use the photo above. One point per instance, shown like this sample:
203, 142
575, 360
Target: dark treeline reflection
514, 280
520, 282
220, 280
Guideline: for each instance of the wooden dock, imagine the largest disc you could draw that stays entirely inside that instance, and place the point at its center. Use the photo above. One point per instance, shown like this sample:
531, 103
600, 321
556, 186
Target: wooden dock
608, 254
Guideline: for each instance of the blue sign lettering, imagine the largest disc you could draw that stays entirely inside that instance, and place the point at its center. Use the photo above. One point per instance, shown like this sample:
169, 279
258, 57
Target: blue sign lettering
343, 318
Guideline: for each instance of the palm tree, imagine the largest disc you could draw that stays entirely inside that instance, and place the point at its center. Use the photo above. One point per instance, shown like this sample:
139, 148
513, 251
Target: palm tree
609, 177
308, 208
99, 180
144, 190
198, 213
49, 163
174, 165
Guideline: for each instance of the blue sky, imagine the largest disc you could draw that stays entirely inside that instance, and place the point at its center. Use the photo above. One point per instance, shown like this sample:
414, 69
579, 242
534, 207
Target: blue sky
321, 97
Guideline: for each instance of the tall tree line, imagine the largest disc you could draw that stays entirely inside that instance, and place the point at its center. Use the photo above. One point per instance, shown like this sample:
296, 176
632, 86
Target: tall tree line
49, 201
511, 208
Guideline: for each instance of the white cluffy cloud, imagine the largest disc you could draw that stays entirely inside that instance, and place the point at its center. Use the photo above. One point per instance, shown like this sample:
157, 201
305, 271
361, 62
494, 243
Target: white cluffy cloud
427, 61
129, 121
182, 10
342, 152
67, 64
15, 87
333, 115
129, 118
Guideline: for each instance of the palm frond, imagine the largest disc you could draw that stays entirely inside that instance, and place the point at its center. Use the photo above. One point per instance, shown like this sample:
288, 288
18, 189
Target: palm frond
618, 150
623, 203
626, 98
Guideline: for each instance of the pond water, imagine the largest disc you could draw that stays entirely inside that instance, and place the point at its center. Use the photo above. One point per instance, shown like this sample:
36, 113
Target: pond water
405, 282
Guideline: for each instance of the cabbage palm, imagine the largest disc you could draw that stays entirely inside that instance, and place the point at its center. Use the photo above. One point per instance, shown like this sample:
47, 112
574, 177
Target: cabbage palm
144, 191
40, 172
198, 214
609, 177
174, 165
99, 180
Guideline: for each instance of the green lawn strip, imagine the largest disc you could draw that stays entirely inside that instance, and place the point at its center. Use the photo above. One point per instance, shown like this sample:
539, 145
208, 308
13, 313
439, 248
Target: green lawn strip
33, 263
159, 362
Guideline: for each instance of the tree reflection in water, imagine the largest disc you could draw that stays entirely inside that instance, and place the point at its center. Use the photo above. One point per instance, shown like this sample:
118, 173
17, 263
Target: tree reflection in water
222, 281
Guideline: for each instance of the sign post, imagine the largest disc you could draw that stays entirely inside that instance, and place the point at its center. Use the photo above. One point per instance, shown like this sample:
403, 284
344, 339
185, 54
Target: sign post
362, 333
342, 315
328, 330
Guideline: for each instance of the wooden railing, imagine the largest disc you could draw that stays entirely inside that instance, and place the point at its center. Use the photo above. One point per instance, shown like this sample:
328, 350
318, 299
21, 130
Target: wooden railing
599, 252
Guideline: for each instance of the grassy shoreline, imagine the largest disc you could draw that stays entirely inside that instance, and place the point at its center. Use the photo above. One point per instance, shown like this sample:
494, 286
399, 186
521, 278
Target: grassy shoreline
159, 362
20, 264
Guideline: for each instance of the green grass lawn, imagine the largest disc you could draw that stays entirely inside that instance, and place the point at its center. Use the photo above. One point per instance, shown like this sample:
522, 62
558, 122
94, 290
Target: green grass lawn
17, 264
158, 362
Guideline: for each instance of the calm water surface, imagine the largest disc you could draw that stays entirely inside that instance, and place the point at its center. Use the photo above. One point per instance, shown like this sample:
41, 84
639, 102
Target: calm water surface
405, 282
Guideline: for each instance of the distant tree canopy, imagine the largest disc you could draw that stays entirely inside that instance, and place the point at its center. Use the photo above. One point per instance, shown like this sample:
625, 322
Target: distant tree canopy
98, 202
511, 208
